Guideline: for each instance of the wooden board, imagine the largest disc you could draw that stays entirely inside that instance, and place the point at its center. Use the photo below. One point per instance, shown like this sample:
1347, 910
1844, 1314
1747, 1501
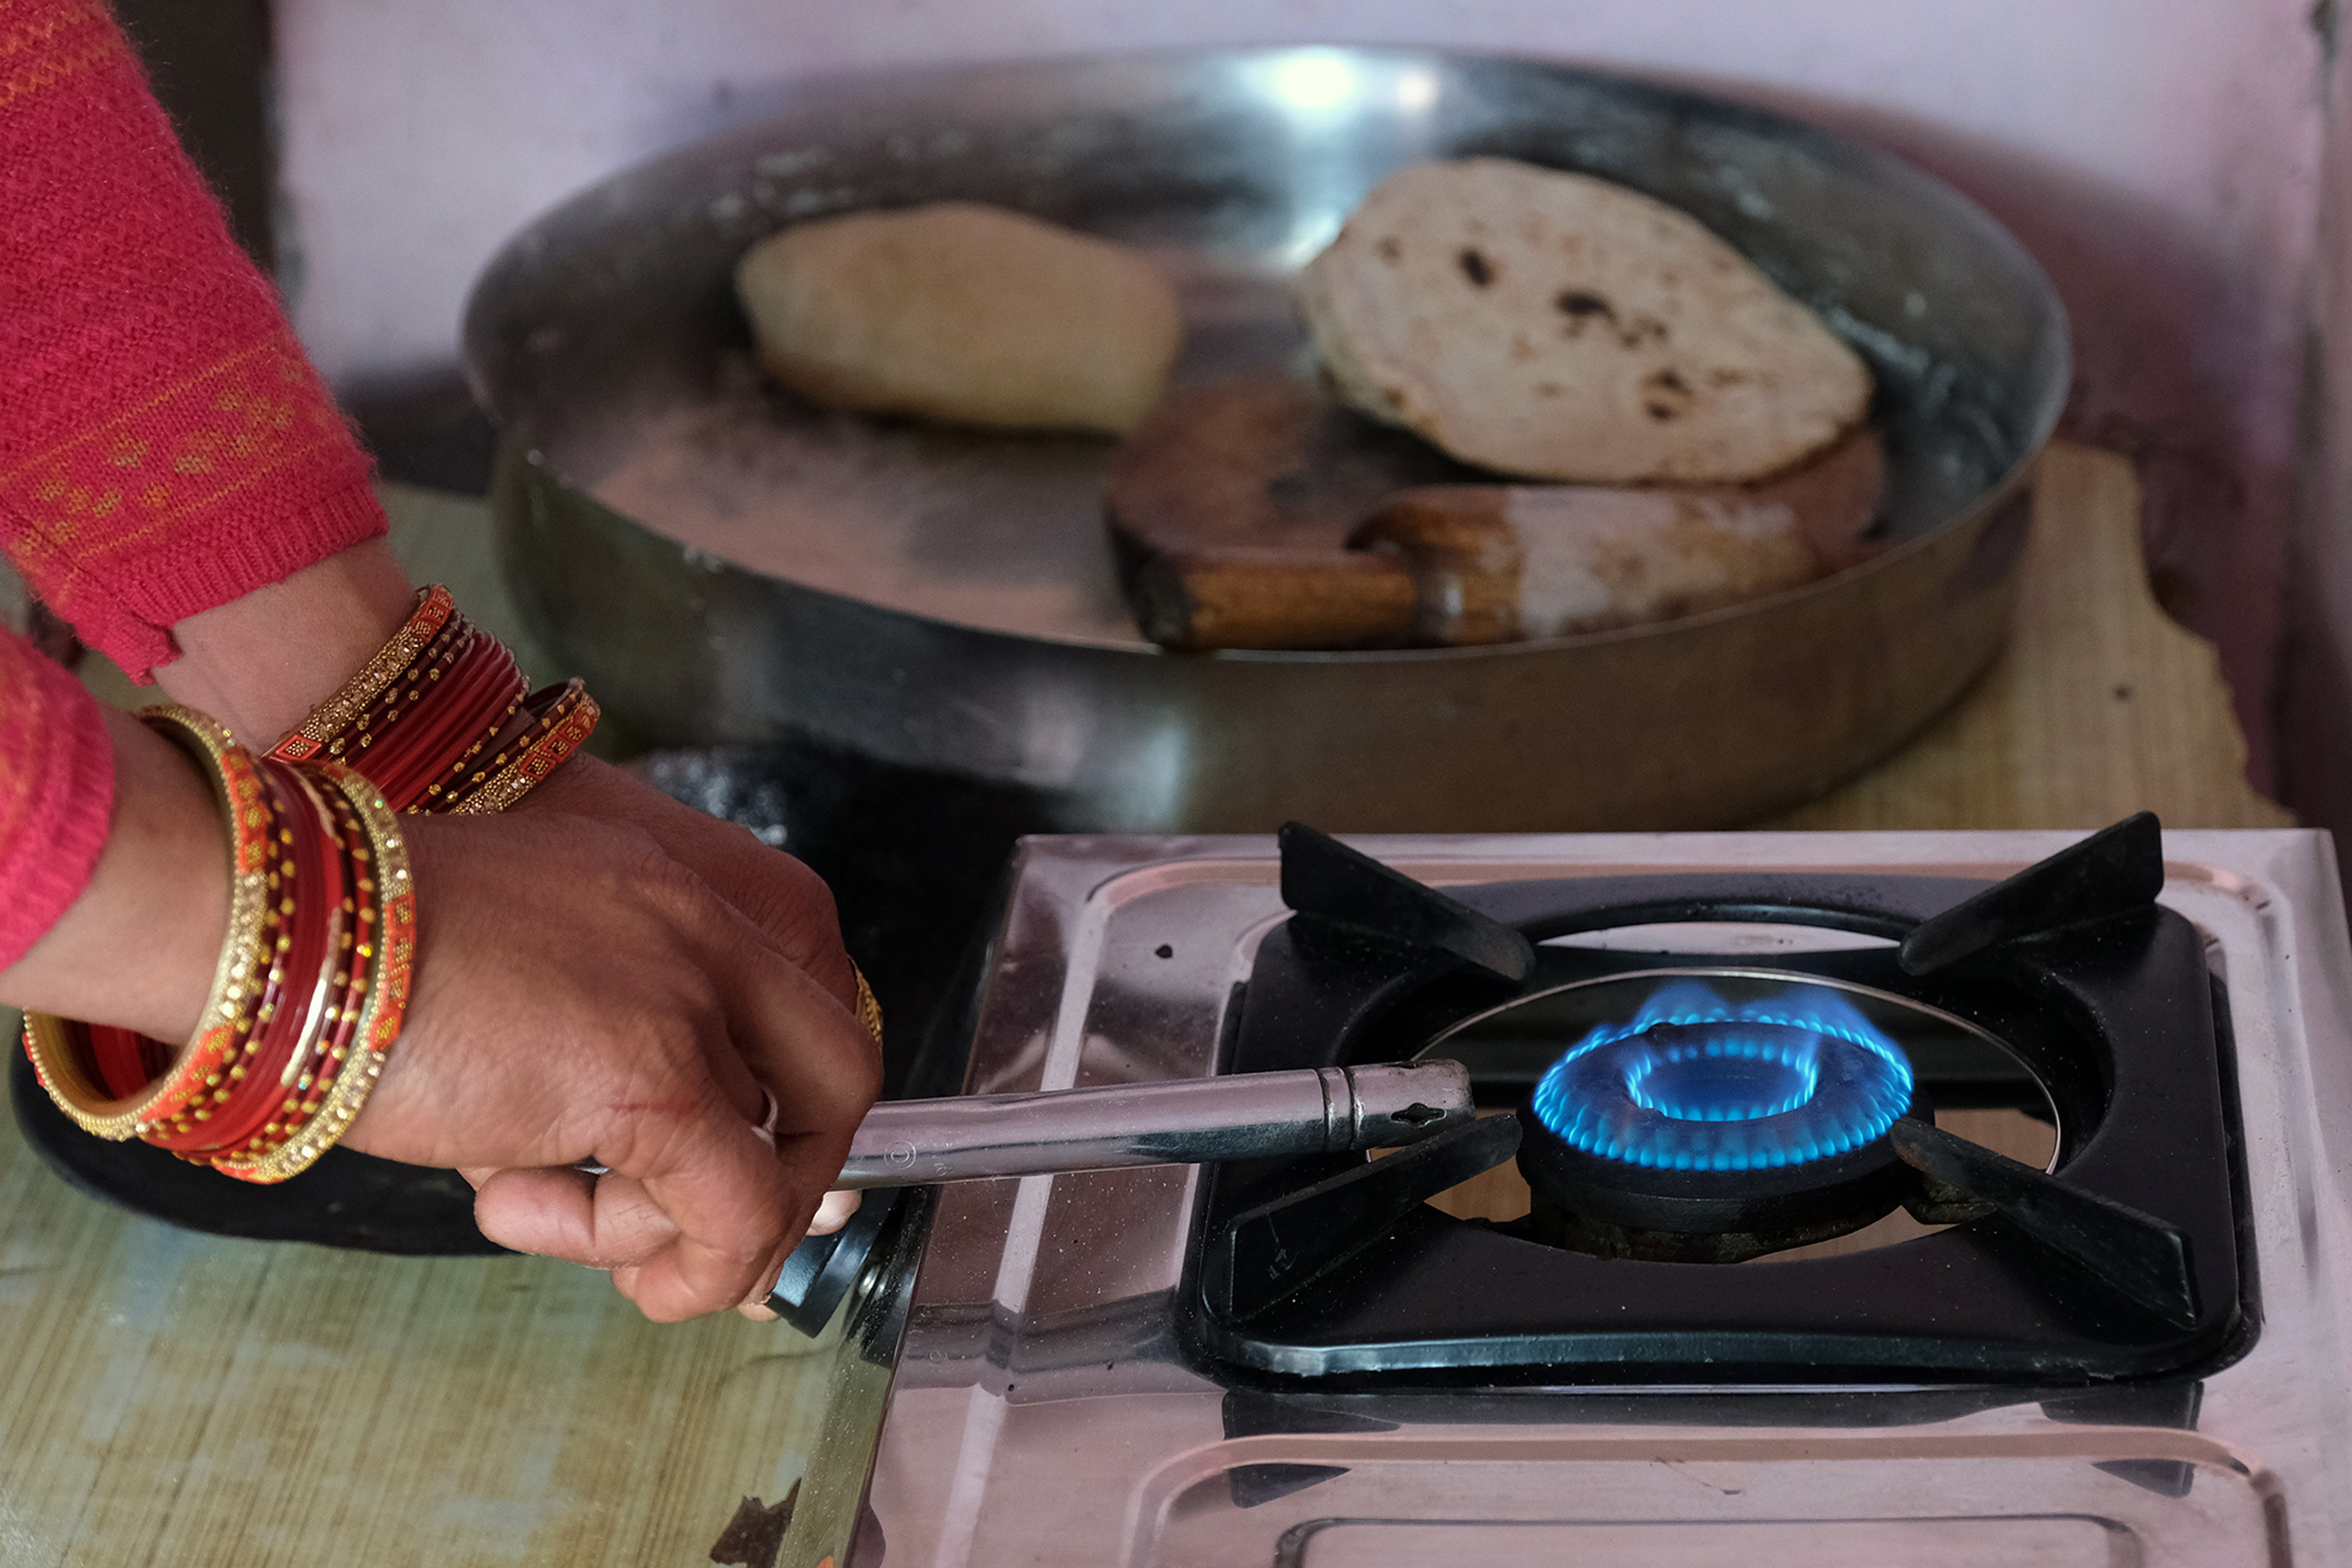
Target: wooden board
182, 1399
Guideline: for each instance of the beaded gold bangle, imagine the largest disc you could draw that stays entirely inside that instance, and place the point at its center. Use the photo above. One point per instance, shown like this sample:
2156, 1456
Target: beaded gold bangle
330, 718
280, 1008
566, 728
391, 953
242, 968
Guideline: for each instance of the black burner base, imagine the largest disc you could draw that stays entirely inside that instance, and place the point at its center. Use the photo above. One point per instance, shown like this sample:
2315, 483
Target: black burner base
1553, 1225
1614, 1210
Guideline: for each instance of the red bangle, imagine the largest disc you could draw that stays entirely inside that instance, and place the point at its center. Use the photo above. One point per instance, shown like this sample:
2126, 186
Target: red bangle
543, 710
311, 989
294, 1096
125, 1061
313, 891
419, 718
335, 716
474, 704
420, 682
382, 872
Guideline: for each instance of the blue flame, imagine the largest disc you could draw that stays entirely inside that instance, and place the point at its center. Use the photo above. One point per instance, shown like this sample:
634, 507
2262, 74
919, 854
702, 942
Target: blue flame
1759, 1085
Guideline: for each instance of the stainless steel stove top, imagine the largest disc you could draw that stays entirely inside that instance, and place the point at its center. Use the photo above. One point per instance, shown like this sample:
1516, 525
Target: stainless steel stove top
1042, 1409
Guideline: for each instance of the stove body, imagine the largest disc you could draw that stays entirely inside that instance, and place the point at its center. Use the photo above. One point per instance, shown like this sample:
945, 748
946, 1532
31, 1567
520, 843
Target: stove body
1059, 1393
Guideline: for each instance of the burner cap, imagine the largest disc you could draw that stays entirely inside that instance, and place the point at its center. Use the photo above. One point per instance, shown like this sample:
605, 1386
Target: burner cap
1746, 1126
1695, 1083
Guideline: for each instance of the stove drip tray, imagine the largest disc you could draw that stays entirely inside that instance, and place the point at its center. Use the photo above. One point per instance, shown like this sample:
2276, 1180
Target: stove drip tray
1676, 1113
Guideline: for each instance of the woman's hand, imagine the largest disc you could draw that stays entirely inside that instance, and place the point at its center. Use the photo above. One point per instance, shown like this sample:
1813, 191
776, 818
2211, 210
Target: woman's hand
581, 994
788, 902
617, 989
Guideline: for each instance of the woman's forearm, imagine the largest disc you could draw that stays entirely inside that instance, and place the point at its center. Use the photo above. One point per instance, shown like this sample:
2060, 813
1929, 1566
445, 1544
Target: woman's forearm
138, 947
260, 662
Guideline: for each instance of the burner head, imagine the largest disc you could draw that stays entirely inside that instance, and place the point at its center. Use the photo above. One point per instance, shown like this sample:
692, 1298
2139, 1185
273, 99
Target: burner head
1697, 1083
1703, 1130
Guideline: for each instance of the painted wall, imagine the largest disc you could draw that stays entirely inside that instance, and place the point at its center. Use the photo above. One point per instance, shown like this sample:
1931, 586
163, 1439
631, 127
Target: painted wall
2315, 752
2161, 156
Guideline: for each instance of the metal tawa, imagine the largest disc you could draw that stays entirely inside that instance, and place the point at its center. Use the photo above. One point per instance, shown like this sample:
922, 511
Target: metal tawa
725, 564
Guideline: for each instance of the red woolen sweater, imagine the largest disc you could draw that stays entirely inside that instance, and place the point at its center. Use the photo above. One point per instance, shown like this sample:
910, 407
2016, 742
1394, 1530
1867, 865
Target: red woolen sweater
165, 447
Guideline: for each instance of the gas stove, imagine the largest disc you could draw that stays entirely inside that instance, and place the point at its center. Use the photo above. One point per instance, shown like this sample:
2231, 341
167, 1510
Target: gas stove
1849, 1198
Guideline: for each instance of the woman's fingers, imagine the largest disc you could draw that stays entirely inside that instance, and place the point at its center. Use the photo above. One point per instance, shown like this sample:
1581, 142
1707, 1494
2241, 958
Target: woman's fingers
551, 1212
691, 1230
739, 1189
568, 1214
834, 1212
739, 1214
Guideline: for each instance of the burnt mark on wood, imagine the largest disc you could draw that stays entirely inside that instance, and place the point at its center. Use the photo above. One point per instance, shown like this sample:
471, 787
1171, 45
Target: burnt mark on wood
1475, 267
756, 1534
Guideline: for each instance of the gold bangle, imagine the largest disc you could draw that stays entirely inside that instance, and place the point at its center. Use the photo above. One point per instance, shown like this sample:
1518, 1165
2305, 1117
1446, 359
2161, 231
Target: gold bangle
330, 718
243, 965
392, 955
519, 777
869, 1011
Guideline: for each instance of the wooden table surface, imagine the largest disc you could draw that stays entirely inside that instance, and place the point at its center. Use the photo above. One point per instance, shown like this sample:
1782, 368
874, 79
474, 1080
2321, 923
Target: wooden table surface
170, 1398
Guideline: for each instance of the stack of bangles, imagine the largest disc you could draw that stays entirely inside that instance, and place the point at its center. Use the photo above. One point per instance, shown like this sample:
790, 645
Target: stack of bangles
314, 976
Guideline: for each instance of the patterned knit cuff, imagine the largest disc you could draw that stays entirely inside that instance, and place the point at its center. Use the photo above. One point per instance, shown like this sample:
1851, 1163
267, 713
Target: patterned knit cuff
130, 620
234, 559
56, 793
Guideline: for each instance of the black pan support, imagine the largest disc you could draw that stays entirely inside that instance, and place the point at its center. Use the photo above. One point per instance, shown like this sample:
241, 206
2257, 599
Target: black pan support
2124, 1265
1272, 1252
2134, 1253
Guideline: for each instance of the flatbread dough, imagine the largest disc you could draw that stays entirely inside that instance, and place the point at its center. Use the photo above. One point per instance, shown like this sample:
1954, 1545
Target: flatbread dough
1557, 326
962, 312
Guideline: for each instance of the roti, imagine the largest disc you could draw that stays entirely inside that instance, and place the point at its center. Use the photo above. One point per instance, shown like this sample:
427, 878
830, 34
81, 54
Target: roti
1555, 326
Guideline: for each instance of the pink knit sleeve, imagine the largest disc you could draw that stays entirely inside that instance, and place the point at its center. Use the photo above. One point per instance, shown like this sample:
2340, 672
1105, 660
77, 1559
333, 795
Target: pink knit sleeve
56, 793
164, 445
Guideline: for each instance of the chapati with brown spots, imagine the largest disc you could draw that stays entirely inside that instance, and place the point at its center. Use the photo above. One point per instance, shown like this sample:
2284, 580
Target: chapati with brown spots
1556, 326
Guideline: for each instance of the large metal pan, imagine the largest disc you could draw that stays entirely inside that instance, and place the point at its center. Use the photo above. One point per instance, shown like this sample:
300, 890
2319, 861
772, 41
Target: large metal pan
982, 638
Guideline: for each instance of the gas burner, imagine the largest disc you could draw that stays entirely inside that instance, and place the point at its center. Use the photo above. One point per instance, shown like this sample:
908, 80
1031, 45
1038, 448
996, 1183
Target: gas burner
1706, 1130
1696, 1083
1675, 1114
